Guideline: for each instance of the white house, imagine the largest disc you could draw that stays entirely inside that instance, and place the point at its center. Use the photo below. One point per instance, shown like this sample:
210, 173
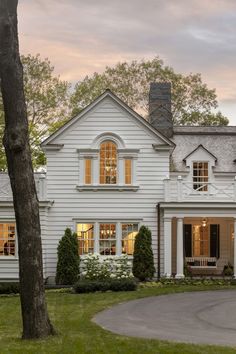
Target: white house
109, 171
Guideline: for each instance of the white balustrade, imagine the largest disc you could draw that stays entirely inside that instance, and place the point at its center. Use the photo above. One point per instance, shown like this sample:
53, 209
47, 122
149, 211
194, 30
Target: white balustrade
6, 192
181, 190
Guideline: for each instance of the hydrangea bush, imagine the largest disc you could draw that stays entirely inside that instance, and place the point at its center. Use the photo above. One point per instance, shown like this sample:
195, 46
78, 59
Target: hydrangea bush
96, 267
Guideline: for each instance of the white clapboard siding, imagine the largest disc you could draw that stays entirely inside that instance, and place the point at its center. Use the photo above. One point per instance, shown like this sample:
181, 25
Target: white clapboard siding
9, 266
63, 176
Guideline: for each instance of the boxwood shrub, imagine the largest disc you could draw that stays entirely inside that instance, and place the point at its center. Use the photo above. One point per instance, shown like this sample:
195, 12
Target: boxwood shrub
9, 288
89, 286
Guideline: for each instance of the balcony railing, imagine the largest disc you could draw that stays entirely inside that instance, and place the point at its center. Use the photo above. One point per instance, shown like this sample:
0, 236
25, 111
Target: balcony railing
6, 192
180, 190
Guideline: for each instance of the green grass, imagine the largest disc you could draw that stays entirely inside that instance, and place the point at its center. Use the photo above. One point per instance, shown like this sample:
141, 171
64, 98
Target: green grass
71, 315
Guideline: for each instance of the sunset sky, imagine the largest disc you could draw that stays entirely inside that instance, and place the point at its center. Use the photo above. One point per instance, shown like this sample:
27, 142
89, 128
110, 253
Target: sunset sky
83, 36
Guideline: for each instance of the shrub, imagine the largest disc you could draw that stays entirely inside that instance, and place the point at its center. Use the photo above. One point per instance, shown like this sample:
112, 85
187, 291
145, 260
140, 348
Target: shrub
96, 267
143, 263
68, 259
187, 270
9, 288
88, 286
228, 270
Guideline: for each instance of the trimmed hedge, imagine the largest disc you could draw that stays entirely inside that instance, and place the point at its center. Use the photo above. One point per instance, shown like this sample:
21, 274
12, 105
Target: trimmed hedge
91, 286
9, 288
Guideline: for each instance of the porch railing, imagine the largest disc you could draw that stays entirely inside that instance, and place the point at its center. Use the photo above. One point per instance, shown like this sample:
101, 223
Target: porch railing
181, 190
201, 262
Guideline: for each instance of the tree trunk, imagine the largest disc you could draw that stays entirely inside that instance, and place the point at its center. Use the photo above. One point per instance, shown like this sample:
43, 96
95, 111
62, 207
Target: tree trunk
36, 323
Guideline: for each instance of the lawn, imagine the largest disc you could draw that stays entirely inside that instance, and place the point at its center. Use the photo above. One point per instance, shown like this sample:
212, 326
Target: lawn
71, 314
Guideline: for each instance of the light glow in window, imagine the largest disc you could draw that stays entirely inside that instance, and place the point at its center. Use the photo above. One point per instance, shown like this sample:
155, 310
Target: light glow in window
7, 239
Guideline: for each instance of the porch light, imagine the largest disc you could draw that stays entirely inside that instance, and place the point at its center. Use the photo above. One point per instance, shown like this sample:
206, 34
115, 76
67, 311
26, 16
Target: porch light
232, 235
204, 222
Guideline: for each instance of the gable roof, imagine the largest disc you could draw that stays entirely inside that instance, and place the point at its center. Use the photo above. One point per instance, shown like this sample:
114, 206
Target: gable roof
200, 146
105, 94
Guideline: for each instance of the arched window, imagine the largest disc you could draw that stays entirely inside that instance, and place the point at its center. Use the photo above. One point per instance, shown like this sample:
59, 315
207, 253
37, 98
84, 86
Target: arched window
108, 163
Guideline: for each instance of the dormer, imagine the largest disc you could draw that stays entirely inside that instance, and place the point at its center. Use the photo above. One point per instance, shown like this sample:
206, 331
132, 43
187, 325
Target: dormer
200, 161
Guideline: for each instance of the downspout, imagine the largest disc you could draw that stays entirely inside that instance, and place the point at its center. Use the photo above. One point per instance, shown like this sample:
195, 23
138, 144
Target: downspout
158, 241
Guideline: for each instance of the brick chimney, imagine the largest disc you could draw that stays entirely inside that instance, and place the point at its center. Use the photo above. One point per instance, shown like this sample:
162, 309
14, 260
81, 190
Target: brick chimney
160, 115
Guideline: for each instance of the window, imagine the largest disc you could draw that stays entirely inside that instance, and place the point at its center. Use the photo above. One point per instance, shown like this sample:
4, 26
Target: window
7, 239
85, 234
128, 171
88, 171
200, 241
108, 163
107, 239
200, 176
129, 232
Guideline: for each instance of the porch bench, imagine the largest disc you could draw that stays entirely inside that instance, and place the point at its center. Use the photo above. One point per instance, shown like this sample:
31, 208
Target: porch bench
201, 262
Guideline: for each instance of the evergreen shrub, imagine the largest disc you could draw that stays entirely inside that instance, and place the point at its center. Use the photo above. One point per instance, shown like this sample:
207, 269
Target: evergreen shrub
67, 259
9, 288
143, 262
89, 286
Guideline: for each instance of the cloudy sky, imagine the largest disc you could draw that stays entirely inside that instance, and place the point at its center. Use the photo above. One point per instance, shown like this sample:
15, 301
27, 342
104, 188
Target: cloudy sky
83, 36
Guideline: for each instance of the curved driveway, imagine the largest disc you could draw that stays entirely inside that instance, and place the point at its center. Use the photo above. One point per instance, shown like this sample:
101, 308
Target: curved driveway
198, 317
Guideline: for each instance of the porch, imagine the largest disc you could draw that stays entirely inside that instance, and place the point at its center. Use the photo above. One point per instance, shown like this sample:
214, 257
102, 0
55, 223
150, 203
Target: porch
200, 241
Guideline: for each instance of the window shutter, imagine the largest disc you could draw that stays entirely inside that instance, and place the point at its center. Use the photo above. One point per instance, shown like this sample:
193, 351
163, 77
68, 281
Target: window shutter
188, 240
215, 240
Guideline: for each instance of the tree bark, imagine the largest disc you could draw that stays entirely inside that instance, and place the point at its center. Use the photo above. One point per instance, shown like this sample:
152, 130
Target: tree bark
36, 323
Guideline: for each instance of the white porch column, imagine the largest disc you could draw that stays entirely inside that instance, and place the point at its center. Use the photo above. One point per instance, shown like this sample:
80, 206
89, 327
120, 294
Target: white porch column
235, 248
167, 248
180, 250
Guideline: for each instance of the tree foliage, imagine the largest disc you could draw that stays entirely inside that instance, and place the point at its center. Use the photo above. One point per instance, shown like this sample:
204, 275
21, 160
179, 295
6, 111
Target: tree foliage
143, 263
192, 100
47, 103
67, 259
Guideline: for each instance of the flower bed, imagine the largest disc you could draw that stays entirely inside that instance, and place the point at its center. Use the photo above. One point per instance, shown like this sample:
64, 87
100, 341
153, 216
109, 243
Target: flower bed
96, 267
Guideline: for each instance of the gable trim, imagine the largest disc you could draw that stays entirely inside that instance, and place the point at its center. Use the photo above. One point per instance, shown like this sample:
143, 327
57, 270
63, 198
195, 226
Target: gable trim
110, 94
200, 146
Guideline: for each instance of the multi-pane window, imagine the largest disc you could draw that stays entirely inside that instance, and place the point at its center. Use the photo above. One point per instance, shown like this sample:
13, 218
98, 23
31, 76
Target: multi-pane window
128, 171
200, 241
200, 176
129, 232
108, 163
7, 239
85, 234
107, 239
88, 171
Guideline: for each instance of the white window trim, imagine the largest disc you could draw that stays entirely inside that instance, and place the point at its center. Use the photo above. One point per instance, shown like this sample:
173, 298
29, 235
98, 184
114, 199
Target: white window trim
16, 257
94, 154
192, 169
118, 224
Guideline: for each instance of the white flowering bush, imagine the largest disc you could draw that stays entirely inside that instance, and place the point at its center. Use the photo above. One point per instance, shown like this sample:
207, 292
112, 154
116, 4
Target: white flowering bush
96, 267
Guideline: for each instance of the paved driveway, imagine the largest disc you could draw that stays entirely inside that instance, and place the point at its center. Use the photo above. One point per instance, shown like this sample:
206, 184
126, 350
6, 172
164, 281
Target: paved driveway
199, 317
